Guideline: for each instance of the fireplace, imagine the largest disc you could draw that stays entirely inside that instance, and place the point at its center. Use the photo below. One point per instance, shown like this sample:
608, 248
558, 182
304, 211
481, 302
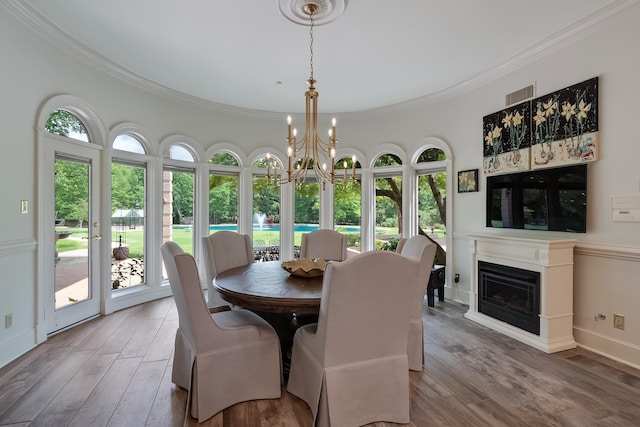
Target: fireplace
510, 294
523, 288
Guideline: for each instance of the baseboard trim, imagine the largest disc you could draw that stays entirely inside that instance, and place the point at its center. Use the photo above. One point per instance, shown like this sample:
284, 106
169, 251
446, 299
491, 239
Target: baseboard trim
16, 346
127, 300
619, 351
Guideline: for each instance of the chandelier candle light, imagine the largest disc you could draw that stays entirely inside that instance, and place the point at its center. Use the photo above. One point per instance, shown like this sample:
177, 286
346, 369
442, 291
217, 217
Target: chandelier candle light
315, 152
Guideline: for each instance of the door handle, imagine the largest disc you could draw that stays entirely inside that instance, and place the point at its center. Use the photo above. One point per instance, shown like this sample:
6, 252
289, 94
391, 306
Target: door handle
98, 237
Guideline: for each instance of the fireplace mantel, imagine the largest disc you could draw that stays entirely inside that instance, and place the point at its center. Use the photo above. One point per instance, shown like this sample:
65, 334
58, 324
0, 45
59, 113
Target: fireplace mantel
553, 259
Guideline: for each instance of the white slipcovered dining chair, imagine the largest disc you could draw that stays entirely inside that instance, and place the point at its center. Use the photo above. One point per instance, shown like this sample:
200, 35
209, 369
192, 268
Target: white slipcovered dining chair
224, 250
324, 244
221, 358
351, 367
401, 244
420, 248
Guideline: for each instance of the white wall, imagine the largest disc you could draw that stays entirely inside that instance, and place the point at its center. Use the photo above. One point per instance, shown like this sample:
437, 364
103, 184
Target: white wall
606, 281
33, 70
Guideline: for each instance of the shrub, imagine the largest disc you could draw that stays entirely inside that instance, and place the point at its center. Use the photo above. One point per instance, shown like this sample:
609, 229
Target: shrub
388, 245
123, 271
353, 240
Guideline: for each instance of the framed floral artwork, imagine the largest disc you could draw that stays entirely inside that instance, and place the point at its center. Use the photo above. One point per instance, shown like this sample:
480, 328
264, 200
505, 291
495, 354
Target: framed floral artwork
565, 126
557, 129
507, 138
468, 181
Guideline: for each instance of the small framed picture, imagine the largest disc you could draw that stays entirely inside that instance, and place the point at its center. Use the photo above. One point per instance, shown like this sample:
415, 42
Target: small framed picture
468, 181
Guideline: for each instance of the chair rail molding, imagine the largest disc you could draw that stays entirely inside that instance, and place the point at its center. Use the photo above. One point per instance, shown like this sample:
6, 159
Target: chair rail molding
624, 253
17, 246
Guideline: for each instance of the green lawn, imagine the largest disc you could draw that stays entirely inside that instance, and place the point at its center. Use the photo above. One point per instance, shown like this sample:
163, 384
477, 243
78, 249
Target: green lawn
77, 239
134, 239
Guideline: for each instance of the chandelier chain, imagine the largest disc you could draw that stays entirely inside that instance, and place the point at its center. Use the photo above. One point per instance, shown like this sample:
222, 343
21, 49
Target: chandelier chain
311, 44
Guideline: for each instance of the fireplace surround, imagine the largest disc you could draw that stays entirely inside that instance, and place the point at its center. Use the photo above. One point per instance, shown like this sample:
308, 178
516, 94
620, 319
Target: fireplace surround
551, 260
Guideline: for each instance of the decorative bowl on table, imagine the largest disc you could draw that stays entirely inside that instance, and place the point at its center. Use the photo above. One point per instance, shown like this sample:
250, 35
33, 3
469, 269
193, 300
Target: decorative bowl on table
305, 267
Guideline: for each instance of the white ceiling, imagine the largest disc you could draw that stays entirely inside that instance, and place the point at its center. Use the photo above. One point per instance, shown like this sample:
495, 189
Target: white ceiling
247, 54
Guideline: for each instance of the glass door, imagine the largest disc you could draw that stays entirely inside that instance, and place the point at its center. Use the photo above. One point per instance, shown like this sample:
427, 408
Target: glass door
74, 209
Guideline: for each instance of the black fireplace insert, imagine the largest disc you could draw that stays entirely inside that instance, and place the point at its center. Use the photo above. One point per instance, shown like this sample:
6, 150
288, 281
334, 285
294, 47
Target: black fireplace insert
510, 294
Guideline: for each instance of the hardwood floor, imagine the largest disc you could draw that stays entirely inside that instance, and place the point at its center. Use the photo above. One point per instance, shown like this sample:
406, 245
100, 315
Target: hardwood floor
115, 371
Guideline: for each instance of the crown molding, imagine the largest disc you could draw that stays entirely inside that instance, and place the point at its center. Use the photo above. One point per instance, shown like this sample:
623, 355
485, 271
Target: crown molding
567, 36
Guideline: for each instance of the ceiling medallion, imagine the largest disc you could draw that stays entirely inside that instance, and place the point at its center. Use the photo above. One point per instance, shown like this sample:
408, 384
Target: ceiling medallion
325, 10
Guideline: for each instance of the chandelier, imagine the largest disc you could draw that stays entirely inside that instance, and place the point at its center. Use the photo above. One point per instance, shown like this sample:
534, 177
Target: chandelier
310, 152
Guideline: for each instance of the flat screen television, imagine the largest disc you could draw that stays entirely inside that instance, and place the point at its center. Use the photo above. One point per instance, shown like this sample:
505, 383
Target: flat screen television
553, 199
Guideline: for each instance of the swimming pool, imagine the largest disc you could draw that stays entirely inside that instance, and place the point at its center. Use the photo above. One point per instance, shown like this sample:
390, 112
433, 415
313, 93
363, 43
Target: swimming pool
301, 228
298, 228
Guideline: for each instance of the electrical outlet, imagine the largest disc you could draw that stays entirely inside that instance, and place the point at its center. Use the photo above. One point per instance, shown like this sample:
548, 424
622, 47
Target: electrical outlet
8, 320
618, 321
456, 278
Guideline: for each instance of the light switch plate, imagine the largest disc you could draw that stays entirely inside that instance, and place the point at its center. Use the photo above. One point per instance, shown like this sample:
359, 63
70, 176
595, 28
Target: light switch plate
24, 206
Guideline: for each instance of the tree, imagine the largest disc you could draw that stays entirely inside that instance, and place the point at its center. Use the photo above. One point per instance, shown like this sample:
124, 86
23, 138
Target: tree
430, 212
71, 189
266, 198
182, 196
266, 194
223, 199
225, 159
71, 178
127, 187
80, 211
62, 122
390, 188
223, 191
347, 205
307, 202
436, 185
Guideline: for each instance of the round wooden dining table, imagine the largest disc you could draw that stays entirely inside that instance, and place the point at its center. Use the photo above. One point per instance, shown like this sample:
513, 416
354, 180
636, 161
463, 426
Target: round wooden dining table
267, 288
285, 301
